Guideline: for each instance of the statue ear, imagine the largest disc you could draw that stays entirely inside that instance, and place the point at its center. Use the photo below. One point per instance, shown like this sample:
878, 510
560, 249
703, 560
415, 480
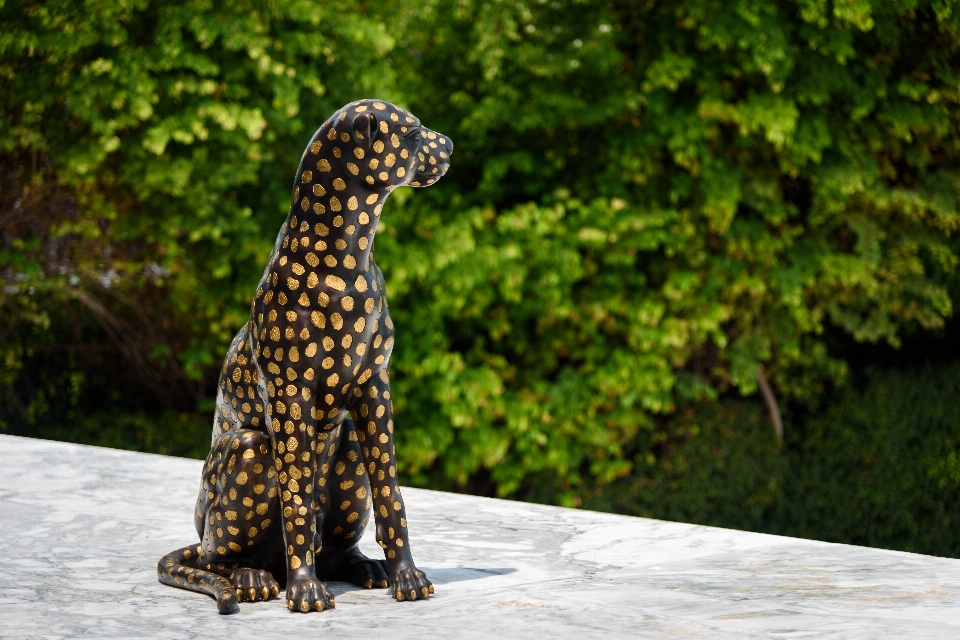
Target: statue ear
364, 128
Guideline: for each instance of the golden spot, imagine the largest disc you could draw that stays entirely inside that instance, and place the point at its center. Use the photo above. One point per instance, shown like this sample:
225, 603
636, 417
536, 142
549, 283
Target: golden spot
379, 105
378, 145
360, 108
383, 175
338, 221
362, 243
361, 349
330, 261
295, 564
347, 341
347, 303
328, 343
323, 165
327, 363
401, 172
340, 244
293, 284
332, 134
304, 302
368, 305
291, 316
377, 209
318, 190
359, 325
288, 333
353, 517
358, 152
308, 374
321, 229
295, 411
304, 204
345, 137
334, 204
237, 373
352, 168
306, 176
333, 380
268, 297
347, 360
383, 511
336, 320
317, 319
404, 154
352, 203
312, 279
374, 163
334, 282
394, 140
390, 160
315, 147
311, 350
274, 334
369, 179
319, 209
281, 298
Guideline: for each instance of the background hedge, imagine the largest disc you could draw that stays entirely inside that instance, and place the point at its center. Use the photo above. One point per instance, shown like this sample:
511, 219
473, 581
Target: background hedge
651, 206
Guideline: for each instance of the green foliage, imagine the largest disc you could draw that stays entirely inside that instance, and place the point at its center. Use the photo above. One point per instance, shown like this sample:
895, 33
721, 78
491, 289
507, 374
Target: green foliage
878, 467
647, 202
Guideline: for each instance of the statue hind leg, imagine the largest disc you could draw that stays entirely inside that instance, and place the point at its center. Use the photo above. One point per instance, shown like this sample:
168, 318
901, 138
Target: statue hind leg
237, 506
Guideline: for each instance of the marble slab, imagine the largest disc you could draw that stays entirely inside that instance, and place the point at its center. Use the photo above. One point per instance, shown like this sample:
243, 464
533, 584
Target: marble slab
82, 528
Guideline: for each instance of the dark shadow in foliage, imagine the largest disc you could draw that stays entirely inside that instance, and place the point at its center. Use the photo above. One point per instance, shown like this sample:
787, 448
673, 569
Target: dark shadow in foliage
878, 466
881, 467
169, 433
720, 466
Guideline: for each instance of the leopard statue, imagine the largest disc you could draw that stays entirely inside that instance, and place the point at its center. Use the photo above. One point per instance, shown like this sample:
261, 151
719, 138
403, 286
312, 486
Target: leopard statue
302, 447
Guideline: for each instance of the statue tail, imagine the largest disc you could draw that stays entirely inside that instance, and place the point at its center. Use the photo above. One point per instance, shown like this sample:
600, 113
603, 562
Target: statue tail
172, 571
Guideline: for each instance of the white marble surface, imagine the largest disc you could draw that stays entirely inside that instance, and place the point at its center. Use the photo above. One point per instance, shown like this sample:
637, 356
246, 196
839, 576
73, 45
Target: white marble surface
82, 528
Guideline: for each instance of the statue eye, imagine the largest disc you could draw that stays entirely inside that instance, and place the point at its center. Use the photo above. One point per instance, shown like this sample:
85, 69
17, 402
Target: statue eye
413, 134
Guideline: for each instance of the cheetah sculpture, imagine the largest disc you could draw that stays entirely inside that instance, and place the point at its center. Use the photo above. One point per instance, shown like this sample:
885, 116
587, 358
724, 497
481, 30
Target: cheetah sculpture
302, 444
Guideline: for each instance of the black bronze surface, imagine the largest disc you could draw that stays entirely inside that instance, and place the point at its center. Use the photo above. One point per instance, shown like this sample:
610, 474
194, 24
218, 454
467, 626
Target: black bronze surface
303, 442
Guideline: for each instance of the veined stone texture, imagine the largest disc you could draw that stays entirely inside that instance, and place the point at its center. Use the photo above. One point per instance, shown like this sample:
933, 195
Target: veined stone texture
82, 528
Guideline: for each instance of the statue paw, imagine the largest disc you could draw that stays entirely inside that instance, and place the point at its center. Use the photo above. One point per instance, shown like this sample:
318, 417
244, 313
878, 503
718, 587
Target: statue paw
350, 565
410, 584
308, 594
254, 585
